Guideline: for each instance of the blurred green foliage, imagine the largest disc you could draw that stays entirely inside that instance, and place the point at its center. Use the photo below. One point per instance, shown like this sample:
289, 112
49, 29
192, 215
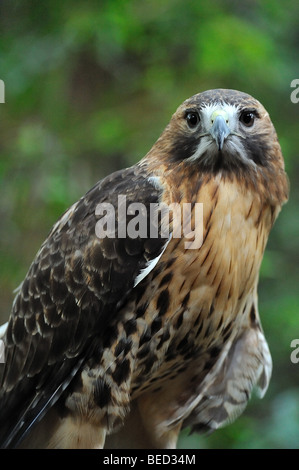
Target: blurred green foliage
90, 85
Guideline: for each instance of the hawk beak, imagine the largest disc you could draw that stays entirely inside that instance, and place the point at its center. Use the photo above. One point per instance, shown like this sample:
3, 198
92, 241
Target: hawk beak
219, 130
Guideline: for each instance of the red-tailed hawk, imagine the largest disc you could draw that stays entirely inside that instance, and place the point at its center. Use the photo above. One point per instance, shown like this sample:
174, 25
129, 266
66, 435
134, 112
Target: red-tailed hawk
123, 332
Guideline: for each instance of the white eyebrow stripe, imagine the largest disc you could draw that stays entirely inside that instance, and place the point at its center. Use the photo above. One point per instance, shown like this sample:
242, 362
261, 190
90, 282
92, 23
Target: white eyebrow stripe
229, 108
232, 112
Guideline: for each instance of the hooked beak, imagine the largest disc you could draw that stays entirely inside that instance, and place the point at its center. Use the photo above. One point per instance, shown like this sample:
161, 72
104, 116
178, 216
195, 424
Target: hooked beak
219, 130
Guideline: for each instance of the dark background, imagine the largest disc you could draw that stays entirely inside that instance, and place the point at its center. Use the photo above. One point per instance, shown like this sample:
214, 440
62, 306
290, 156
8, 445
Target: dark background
90, 85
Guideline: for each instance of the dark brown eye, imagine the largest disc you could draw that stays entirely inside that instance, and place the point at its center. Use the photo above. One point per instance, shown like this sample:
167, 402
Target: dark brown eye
247, 118
192, 119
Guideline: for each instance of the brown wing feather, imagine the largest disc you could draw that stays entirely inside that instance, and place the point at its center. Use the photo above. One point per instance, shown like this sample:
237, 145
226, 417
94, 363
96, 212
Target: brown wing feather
75, 284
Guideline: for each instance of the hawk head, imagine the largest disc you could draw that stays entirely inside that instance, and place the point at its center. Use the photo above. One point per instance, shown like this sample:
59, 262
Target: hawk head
227, 132
221, 129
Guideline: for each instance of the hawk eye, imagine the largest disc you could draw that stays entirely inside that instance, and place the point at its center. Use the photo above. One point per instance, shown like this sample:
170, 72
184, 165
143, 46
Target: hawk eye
247, 118
192, 119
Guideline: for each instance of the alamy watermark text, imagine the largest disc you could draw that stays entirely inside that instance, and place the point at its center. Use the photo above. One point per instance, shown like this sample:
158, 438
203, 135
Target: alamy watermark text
155, 220
295, 352
295, 93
